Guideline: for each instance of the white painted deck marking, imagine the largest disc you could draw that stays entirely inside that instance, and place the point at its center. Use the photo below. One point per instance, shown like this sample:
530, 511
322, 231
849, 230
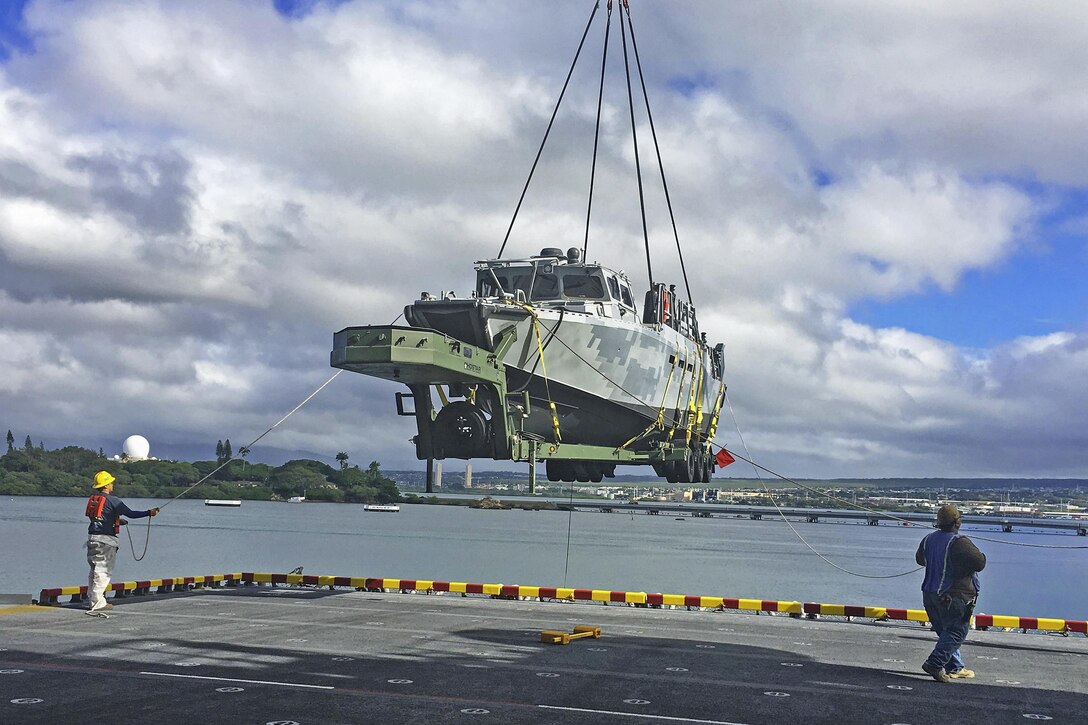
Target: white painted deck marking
27, 701
640, 715
234, 679
846, 685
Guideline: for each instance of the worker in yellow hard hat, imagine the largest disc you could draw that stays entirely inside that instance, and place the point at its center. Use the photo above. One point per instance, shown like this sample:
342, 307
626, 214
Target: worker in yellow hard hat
105, 511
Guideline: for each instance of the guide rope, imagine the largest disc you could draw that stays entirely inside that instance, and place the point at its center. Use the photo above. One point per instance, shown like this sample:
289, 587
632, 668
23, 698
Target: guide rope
796, 533
245, 449
748, 459
128, 530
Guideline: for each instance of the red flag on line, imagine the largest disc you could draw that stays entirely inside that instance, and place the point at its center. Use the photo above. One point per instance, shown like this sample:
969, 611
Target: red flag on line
723, 458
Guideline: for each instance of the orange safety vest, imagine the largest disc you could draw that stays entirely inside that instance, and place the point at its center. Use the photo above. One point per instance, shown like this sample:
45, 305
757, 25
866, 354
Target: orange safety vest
96, 505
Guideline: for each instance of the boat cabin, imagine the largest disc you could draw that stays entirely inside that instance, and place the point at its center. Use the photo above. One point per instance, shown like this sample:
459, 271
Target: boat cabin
553, 278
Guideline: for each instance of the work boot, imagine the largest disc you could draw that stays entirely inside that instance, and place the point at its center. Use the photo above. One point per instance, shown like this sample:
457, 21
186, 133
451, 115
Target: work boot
962, 674
936, 673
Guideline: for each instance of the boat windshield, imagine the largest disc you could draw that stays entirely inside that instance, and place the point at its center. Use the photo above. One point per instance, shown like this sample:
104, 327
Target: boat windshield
574, 283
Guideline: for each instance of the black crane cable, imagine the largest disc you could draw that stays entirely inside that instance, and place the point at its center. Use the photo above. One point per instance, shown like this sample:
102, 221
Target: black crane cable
657, 150
597, 131
549, 129
634, 141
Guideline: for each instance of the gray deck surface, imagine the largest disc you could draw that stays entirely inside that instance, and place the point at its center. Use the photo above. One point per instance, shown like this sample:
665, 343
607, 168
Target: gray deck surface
264, 655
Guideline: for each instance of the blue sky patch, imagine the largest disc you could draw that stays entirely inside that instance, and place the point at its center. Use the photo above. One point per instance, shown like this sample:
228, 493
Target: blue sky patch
13, 36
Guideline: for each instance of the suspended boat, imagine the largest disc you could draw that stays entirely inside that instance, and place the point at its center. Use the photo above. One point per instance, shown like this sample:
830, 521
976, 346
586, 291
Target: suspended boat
550, 357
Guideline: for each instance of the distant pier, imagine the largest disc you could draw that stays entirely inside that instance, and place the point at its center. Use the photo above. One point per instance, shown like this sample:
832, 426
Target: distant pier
758, 513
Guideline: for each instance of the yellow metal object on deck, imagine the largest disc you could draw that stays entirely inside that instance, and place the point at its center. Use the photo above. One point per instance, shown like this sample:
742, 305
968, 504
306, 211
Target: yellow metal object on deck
580, 632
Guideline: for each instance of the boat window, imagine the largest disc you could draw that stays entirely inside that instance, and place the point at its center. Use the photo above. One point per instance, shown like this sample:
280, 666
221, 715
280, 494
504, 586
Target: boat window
512, 280
614, 287
485, 286
625, 293
583, 285
546, 287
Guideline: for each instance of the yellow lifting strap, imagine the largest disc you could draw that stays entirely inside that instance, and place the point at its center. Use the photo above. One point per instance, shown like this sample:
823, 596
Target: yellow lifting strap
544, 370
717, 411
679, 393
695, 401
442, 396
659, 424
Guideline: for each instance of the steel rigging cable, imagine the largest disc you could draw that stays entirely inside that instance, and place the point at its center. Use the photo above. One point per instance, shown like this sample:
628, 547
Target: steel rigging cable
748, 459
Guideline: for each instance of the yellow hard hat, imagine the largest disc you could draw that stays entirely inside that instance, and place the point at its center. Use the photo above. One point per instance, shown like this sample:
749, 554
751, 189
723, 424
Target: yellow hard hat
103, 479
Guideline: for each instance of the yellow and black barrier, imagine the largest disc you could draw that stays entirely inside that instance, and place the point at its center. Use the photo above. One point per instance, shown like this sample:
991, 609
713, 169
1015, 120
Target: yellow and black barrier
603, 596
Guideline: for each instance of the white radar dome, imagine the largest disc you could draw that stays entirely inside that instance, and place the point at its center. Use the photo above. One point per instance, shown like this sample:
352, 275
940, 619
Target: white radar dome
136, 448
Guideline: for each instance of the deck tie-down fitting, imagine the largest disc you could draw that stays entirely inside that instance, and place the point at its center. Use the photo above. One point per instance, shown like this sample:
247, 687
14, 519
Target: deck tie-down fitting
580, 632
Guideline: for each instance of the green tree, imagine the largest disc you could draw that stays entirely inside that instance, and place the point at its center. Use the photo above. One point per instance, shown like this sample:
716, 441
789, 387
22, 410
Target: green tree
28, 445
343, 458
227, 452
11, 441
295, 480
219, 451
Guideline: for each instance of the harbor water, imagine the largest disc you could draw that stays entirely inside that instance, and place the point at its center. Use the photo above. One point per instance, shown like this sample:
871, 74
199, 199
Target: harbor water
730, 557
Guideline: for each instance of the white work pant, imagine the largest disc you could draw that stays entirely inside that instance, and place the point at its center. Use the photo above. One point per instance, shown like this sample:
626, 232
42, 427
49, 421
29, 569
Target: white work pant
101, 555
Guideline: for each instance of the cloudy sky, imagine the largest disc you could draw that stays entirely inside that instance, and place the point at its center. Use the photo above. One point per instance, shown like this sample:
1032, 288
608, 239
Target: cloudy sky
883, 208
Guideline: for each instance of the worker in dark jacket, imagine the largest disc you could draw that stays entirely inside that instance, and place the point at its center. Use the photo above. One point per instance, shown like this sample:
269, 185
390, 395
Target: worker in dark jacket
105, 511
949, 592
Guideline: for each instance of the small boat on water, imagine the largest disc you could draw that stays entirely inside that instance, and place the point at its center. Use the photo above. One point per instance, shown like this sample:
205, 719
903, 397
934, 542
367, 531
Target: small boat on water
222, 502
387, 507
297, 499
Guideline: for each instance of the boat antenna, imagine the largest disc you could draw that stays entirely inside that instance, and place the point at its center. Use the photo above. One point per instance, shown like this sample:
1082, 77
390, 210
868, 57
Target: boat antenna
550, 122
597, 131
657, 150
634, 140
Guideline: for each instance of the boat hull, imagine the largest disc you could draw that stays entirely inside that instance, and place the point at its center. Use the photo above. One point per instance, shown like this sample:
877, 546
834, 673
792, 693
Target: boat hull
609, 378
